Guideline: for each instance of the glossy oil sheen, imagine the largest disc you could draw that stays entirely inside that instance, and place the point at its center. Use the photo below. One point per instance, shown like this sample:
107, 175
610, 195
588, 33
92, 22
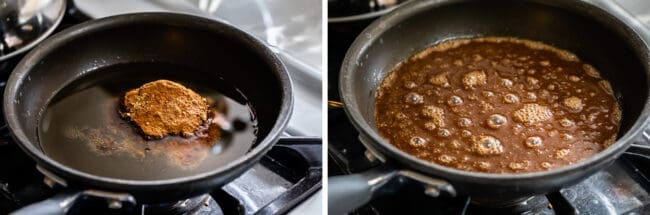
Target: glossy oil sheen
82, 127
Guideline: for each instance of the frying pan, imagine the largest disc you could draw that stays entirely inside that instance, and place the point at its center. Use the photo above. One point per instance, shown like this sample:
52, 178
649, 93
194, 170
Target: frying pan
212, 48
608, 39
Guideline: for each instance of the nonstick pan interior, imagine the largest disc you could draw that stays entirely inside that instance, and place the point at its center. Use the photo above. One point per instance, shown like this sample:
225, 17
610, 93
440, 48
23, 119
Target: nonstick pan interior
212, 49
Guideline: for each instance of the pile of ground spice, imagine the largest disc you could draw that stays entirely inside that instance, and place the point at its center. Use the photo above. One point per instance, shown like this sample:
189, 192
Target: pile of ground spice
163, 107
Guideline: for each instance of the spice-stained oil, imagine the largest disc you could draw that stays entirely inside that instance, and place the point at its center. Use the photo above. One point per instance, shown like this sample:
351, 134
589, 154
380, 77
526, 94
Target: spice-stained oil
82, 127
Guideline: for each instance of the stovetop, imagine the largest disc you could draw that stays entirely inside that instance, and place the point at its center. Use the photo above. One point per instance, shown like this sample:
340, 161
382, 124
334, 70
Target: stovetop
285, 177
622, 188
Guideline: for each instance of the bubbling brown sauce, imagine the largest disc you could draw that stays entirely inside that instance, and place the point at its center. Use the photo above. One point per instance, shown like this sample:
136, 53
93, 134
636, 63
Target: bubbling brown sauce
497, 105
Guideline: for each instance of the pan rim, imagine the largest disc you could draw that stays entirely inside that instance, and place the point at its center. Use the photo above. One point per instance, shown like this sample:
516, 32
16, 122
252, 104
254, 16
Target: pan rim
413, 8
24, 67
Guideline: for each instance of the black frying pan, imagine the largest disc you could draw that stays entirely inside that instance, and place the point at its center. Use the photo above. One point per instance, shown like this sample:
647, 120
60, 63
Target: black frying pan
608, 39
212, 48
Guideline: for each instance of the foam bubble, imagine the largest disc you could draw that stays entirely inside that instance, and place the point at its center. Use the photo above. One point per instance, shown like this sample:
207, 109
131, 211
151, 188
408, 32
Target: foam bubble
446, 158
484, 165
534, 142
454, 101
417, 141
488, 145
444, 133
566, 137
574, 78
466, 133
566, 122
506, 82
435, 113
488, 93
439, 80
531, 96
474, 78
510, 98
532, 113
518, 165
464, 122
573, 103
561, 153
546, 165
414, 98
410, 85
532, 81
495, 121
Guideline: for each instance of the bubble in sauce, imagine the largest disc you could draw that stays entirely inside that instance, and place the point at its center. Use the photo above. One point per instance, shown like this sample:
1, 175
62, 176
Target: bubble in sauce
455, 101
561, 153
446, 158
444, 133
458, 62
484, 165
574, 78
510, 98
439, 80
495, 121
518, 165
506, 82
410, 85
532, 81
414, 98
474, 78
566, 122
531, 96
464, 122
466, 133
534, 142
566, 137
573, 103
546, 165
488, 145
435, 113
532, 113
488, 93
417, 141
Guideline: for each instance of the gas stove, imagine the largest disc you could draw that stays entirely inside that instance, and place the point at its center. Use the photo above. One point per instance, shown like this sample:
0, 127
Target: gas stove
285, 177
622, 188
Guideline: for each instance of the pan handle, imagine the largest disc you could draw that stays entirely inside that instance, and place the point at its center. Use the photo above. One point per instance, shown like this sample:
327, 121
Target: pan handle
348, 192
57, 205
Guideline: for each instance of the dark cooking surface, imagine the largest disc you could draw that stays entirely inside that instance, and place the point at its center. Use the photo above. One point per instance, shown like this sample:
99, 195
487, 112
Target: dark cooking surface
285, 177
497, 105
622, 188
